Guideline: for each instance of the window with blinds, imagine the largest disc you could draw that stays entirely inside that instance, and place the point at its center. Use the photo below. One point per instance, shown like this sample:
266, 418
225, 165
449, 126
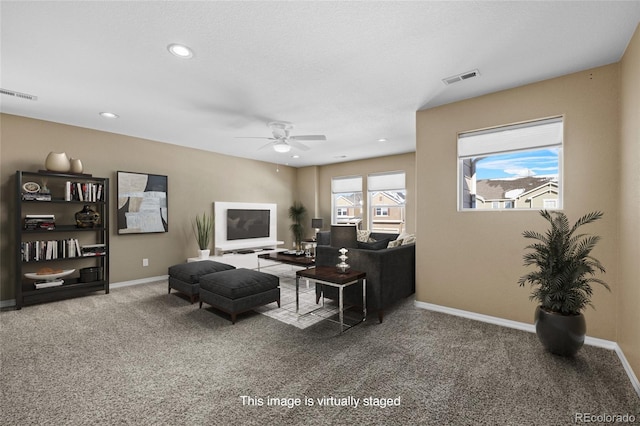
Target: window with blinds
386, 201
346, 199
517, 166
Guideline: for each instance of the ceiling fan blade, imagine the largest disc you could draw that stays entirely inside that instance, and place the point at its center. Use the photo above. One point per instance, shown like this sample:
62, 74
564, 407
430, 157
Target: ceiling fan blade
309, 138
266, 146
254, 137
298, 145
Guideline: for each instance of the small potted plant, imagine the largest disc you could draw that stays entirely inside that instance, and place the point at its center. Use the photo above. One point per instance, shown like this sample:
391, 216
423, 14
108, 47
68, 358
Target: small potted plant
202, 228
562, 280
297, 213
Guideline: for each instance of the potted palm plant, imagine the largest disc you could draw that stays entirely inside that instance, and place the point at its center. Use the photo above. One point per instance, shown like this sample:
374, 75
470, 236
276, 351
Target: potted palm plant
202, 228
562, 280
297, 213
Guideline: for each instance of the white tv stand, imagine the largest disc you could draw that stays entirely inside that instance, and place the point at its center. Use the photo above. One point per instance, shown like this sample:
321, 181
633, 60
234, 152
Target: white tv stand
248, 261
246, 245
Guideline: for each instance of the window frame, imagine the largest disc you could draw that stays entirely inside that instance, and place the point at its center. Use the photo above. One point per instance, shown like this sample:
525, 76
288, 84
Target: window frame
346, 186
379, 183
519, 149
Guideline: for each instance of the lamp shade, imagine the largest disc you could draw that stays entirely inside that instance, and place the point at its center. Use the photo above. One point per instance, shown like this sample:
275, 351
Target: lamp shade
316, 223
344, 236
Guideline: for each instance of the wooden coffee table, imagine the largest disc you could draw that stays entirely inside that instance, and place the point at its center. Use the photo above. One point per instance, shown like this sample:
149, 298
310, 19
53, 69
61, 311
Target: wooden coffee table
289, 259
328, 275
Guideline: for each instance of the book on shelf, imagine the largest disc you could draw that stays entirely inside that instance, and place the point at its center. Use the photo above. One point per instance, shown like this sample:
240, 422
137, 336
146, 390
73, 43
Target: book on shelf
46, 284
93, 250
39, 222
35, 196
83, 191
34, 251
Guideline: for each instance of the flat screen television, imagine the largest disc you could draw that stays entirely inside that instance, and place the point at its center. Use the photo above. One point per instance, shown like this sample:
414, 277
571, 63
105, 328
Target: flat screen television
243, 224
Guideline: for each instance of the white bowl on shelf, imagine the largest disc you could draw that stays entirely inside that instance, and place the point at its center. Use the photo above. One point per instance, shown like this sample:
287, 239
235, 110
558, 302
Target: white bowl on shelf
49, 277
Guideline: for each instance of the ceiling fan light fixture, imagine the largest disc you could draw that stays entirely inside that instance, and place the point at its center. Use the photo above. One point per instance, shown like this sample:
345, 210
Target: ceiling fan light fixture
281, 147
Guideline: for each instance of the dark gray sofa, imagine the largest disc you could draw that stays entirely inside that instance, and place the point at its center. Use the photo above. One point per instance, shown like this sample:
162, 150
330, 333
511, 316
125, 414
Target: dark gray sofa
390, 272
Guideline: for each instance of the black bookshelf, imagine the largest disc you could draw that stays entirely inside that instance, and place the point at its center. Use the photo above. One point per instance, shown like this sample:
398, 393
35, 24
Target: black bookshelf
60, 246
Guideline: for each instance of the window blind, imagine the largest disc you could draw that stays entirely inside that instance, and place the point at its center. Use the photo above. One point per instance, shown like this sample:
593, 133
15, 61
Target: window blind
346, 184
517, 137
388, 181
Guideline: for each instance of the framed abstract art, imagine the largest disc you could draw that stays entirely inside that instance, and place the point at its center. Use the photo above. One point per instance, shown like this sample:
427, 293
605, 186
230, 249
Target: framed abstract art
142, 203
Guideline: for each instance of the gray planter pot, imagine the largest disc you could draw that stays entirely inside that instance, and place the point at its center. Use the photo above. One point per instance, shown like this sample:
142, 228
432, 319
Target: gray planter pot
560, 334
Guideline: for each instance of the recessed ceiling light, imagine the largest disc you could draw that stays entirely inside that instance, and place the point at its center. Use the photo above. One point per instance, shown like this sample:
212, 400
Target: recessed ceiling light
180, 50
109, 115
295, 156
382, 140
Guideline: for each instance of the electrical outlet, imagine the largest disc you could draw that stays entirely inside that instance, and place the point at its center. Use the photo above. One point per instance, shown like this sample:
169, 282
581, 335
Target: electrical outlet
145, 262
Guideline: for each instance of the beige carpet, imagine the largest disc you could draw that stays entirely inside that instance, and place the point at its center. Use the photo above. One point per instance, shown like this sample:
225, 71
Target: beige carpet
141, 356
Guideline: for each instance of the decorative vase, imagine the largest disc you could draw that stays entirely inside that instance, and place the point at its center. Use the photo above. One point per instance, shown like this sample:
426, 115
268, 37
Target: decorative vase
87, 218
560, 334
343, 267
76, 165
203, 254
57, 162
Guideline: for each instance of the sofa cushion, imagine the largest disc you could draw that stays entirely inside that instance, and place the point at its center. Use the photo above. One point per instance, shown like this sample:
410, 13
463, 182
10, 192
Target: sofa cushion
394, 243
376, 245
407, 238
363, 236
323, 238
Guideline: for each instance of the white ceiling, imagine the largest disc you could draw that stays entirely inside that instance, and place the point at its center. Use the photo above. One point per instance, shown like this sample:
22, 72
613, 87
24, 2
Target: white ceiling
353, 71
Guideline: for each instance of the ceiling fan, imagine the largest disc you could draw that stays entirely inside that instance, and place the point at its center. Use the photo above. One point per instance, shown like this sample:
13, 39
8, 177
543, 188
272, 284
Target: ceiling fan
282, 141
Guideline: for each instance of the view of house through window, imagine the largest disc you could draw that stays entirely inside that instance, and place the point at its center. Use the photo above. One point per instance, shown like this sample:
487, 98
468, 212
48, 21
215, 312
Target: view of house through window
346, 200
387, 195
385, 204
512, 167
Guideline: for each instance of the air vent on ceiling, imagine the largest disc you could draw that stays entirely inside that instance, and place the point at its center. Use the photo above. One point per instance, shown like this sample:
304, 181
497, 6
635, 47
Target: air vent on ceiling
461, 77
19, 95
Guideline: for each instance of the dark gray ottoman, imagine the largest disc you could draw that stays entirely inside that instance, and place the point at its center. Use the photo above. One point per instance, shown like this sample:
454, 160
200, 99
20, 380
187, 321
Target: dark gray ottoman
185, 277
239, 290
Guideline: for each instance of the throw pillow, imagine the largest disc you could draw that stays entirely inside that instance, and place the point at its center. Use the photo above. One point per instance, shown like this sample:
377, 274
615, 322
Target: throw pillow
378, 245
407, 238
363, 236
394, 243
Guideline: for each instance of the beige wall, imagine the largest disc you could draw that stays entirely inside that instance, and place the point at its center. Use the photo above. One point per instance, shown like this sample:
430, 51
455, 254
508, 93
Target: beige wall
629, 289
472, 260
196, 179
307, 194
362, 168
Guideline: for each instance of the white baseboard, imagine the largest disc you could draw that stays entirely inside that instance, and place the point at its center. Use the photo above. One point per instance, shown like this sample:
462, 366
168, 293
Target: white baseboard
627, 367
140, 281
592, 341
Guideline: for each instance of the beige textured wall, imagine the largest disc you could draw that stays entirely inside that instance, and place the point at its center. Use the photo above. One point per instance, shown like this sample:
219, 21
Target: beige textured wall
629, 291
196, 179
307, 193
472, 260
362, 168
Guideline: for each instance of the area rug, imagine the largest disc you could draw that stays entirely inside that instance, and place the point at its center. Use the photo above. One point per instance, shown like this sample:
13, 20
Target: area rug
309, 312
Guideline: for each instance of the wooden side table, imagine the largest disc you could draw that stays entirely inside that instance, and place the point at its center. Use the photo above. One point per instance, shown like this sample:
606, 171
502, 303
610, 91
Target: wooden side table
328, 275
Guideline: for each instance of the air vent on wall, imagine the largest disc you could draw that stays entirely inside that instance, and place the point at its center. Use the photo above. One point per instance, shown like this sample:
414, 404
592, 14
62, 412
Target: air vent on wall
19, 95
461, 77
